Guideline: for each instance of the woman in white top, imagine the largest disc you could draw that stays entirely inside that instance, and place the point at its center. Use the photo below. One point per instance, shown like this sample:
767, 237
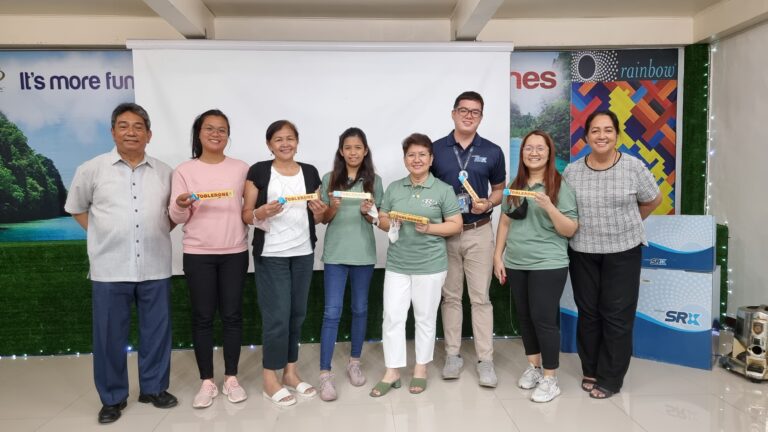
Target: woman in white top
283, 255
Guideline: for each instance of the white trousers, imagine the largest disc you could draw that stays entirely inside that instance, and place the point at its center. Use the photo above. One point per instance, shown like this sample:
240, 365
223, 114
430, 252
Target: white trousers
400, 291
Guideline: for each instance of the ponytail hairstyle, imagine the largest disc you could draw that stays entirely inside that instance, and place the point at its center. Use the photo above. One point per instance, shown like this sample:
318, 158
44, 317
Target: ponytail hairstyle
197, 125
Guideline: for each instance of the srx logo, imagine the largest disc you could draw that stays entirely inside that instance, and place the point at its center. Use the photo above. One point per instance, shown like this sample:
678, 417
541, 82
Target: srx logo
688, 318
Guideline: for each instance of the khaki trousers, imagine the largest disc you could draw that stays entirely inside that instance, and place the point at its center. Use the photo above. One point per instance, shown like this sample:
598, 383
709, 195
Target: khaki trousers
470, 253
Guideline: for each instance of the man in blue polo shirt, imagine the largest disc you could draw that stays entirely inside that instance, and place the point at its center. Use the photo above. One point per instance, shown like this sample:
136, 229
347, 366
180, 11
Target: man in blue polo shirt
464, 153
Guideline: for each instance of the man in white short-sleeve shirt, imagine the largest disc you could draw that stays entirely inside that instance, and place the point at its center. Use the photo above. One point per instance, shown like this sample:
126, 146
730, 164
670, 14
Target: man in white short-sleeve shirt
121, 199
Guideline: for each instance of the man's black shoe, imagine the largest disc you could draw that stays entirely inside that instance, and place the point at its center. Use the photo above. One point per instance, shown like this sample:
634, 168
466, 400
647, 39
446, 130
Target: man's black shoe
110, 413
159, 400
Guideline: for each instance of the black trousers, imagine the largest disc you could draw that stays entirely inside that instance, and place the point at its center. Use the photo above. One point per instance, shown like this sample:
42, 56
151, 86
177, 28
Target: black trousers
537, 302
216, 282
605, 288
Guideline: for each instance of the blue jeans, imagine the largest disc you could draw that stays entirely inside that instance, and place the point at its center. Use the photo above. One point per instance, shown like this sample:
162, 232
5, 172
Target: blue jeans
335, 283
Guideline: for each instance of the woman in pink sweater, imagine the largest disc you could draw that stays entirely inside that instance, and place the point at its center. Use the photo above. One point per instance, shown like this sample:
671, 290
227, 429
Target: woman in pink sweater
206, 197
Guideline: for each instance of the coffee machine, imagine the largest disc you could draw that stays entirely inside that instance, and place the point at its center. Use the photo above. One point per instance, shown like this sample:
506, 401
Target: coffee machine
748, 357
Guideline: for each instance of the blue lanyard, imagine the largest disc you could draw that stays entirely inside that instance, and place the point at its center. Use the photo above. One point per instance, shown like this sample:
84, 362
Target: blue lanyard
463, 166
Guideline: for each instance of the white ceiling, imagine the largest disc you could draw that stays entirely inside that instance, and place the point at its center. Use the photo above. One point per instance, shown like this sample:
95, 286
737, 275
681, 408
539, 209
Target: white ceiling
397, 9
527, 23
600, 8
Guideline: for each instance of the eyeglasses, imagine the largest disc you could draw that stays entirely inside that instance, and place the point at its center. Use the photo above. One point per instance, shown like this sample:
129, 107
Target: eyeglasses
465, 111
413, 156
530, 149
210, 130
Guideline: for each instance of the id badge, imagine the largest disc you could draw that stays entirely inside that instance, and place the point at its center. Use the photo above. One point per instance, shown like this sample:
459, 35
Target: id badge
465, 202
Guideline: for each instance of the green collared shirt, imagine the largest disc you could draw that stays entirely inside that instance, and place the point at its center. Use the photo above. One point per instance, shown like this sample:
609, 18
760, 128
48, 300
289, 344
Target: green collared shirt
349, 237
415, 253
532, 243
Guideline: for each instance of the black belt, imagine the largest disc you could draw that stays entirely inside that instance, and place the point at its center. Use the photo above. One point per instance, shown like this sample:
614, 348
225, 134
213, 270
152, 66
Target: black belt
477, 224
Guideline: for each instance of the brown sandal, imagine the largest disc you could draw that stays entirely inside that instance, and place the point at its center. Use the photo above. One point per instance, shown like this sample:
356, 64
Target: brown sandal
587, 384
599, 392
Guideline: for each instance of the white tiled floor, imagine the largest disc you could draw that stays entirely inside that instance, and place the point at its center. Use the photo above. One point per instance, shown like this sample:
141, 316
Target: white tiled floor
57, 394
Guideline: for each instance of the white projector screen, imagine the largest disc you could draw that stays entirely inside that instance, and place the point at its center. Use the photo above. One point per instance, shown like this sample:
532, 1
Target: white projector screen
388, 91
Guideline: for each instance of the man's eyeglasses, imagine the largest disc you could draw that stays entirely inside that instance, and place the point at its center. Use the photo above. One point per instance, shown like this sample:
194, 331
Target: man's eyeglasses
471, 112
210, 130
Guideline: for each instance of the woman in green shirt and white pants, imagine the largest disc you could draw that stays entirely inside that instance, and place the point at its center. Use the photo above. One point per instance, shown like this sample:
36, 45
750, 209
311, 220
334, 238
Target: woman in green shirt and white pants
532, 254
417, 262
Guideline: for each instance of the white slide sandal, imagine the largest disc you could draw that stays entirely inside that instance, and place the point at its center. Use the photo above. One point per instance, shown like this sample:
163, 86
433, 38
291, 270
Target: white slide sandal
302, 388
278, 397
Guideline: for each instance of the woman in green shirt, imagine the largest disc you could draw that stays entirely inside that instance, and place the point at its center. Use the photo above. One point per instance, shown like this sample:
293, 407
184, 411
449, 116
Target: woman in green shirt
417, 261
349, 251
532, 254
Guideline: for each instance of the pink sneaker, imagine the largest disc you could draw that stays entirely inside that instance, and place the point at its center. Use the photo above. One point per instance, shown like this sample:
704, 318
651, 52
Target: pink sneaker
204, 397
234, 392
356, 377
327, 390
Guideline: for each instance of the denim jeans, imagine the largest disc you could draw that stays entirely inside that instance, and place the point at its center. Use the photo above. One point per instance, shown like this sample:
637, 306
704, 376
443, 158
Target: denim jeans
335, 283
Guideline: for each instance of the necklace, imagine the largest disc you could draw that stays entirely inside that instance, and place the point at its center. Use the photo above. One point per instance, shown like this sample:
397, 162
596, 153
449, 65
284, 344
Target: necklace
596, 165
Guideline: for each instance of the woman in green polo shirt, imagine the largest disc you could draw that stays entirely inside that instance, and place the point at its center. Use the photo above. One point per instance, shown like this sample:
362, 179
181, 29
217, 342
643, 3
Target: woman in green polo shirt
417, 261
349, 251
532, 254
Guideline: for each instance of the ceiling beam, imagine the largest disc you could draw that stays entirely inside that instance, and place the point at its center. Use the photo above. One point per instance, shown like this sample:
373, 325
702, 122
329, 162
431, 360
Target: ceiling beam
470, 17
725, 18
191, 18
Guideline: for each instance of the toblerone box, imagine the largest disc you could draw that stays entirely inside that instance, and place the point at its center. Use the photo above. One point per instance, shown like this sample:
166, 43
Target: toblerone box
470, 190
228, 193
354, 195
294, 198
408, 217
519, 192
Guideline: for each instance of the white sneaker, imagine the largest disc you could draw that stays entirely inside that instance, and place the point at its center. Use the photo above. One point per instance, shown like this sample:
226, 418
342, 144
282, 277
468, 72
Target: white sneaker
546, 390
530, 377
232, 389
204, 397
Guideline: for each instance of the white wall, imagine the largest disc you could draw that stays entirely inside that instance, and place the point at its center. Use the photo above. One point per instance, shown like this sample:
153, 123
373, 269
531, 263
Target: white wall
738, 167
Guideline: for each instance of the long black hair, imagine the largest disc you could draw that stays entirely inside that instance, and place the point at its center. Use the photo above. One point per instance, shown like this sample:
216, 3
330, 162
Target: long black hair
339, 177
197, 125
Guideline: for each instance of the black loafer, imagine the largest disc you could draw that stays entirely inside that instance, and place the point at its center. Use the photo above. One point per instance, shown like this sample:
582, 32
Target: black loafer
110, 413
159, 400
